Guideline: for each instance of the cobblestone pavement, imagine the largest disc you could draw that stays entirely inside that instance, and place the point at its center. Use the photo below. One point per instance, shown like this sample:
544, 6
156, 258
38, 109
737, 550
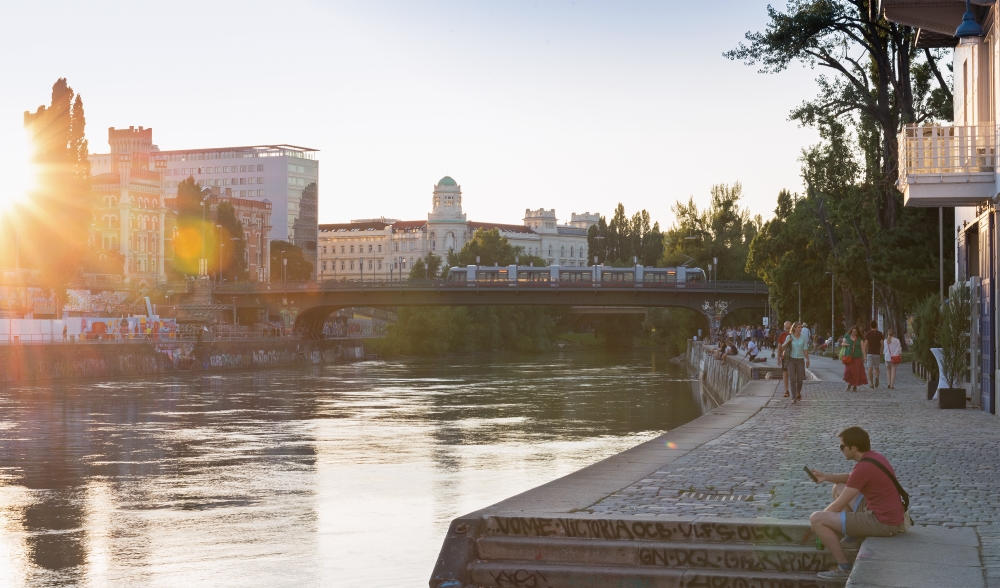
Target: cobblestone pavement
948, 460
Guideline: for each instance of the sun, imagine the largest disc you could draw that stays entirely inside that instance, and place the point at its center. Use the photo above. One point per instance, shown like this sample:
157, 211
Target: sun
20, 171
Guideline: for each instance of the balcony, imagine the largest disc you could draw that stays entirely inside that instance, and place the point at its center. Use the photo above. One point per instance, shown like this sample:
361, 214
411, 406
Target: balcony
947, 166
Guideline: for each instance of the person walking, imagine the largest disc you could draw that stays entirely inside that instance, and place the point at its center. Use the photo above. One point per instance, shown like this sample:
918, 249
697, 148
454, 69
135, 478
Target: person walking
797, 359
893, 351
781, 354
873, 346
854, 370
807, 333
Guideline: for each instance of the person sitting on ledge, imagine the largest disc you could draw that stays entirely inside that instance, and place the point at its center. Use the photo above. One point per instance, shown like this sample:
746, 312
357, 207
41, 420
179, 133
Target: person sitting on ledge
866, 502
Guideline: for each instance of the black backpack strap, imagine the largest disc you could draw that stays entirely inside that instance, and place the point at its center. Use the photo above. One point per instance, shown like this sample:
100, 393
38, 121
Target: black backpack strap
902, 493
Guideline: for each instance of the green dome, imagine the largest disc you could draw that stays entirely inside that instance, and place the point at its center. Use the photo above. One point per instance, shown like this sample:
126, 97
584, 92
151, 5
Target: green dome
447, 181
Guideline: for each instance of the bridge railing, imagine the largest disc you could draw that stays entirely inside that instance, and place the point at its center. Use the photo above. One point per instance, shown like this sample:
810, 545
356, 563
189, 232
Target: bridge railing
727, 286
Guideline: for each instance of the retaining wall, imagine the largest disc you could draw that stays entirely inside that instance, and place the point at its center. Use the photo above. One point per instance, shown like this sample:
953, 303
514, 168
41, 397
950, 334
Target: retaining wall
724, 379
34, 363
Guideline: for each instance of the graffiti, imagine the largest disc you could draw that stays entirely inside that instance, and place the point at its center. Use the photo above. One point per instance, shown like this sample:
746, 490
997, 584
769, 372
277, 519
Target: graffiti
226, 360
263, 357
705, 581
732, 559
624, 529
519, 579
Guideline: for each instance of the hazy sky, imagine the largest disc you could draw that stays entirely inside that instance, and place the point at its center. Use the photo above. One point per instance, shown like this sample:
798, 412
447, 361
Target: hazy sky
572, 105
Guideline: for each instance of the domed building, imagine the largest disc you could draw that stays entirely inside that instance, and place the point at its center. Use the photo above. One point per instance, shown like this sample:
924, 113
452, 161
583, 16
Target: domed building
384, 248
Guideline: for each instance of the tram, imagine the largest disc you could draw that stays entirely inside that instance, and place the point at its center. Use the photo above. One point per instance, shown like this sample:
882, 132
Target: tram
559, 276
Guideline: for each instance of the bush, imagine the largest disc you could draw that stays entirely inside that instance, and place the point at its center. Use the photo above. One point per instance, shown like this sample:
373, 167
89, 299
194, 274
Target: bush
956, 322
928, 317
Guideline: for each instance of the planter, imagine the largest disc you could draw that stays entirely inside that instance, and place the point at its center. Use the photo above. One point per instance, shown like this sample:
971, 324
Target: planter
951, 398
931, 389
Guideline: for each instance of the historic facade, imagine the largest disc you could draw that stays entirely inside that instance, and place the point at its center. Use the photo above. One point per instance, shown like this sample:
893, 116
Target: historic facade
131, 212
255, 218
383, 248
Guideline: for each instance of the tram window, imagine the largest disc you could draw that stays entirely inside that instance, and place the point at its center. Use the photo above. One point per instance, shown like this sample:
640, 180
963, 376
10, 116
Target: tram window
622, 277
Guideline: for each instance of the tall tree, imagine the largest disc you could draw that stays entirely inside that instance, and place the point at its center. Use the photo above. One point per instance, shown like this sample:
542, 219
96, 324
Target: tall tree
298, 269
626, 240
232, 261
55, 222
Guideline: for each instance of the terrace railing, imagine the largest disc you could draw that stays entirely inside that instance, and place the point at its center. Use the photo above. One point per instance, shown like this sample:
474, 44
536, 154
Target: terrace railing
936, 149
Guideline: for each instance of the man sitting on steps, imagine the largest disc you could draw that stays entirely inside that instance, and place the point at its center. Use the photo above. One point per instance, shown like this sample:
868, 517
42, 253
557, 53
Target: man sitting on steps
866, 502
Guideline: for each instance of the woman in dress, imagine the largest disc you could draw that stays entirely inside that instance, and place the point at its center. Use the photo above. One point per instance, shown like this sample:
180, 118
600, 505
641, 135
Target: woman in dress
797, 360
891, 348
854, 371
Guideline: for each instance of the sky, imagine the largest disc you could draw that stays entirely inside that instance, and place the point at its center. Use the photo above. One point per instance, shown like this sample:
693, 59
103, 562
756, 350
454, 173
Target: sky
575, 105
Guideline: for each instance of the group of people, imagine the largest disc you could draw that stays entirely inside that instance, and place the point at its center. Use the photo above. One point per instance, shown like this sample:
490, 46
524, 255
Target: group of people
860, 350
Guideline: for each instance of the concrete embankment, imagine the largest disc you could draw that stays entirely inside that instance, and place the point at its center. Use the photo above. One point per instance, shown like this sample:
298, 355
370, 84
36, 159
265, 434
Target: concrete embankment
723, 380
552, 536
35, 363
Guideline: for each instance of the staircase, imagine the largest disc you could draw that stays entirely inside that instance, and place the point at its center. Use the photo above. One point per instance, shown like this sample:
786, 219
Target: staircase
579, 550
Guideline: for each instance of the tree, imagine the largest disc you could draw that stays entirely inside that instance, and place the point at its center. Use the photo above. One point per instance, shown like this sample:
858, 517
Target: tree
194, 231
491, 249
719, 235
626, 241
956, 318
298, 269
54, 225
426, 267
233, 261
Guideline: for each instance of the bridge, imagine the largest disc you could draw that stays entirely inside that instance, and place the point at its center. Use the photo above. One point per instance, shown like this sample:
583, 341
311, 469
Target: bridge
316, 301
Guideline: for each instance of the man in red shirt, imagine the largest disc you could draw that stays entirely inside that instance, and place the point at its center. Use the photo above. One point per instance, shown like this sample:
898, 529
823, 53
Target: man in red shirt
866, 502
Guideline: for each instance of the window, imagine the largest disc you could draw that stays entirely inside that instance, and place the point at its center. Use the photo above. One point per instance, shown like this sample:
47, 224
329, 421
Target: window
380, 264
342, 265
352, 248
324, 266
260, 167
380, 249
260, 180
370, 264
341, 250
242, 180
397, 247
243, 168
352, 265
250, 180
369, 249
260, 192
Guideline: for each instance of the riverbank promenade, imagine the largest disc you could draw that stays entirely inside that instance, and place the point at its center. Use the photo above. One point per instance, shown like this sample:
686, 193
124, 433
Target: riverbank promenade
737, 472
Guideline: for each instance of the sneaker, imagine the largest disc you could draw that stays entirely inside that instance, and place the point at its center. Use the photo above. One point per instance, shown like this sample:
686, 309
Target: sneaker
836, 573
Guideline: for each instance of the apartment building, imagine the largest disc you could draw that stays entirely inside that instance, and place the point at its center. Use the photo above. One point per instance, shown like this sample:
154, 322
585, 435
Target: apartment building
286, 176
385, 248
954, 165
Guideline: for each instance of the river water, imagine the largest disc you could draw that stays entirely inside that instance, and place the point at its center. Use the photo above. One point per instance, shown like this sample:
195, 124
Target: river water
342, 475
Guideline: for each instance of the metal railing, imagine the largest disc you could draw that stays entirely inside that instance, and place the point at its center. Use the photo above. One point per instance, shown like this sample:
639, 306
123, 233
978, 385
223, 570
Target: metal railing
936, 149
732, 286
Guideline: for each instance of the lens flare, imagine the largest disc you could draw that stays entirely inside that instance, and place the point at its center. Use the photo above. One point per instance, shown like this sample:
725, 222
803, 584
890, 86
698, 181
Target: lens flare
671, 445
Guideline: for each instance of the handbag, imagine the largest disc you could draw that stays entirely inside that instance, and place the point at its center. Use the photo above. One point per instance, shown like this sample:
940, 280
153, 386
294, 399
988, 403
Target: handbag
845, 355
897, 359
907, 521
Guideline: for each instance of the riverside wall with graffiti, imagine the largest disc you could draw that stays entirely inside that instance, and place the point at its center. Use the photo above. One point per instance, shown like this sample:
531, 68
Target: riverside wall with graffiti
37, 363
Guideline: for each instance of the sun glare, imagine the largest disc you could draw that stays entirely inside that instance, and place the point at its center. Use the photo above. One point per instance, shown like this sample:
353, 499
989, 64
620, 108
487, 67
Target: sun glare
21, 172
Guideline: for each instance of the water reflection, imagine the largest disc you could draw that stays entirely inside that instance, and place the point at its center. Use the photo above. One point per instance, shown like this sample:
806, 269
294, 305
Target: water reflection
343, 475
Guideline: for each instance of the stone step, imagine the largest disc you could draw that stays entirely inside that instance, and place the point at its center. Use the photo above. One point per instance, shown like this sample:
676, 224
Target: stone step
677, 530
601, 552
536, 575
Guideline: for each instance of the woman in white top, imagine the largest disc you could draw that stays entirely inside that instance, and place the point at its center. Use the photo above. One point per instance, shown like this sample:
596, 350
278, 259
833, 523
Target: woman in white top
891, 347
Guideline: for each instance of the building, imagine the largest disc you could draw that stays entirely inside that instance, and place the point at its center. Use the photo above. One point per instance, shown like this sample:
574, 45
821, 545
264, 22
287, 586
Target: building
255, 218
285, 175
131, 214
955, 165
383, 248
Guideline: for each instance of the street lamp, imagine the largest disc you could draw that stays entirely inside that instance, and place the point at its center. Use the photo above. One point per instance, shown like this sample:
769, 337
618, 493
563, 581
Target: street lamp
799, 284
833, 324
219, 275
969, 32
361, 268
284, 270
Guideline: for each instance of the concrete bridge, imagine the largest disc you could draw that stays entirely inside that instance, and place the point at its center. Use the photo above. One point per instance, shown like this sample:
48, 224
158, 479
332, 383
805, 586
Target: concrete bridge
316, 301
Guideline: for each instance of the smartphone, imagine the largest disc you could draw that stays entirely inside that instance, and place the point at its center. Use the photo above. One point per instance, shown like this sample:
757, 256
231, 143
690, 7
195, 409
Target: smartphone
811, 475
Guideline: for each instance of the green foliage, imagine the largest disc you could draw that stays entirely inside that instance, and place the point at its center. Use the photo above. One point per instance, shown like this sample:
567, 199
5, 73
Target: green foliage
722, 232
232, 263
463, 329
492, 249
880, 82
428, 267
956, 320
625, 241
298, 269
672, 327
927, 319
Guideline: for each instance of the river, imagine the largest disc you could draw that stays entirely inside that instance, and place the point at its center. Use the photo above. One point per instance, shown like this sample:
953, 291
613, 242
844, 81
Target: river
342, 475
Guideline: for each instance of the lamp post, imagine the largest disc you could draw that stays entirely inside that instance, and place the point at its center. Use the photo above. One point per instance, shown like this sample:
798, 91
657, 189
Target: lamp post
799, 284
219, 275
234, 310
284, 264
832, 302
361, 268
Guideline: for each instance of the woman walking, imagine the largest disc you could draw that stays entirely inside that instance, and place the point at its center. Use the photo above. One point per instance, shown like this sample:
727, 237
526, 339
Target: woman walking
854, 370
797, 360
892, 350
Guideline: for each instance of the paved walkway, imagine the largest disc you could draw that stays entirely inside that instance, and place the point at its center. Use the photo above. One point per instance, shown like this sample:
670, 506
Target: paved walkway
948, 460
